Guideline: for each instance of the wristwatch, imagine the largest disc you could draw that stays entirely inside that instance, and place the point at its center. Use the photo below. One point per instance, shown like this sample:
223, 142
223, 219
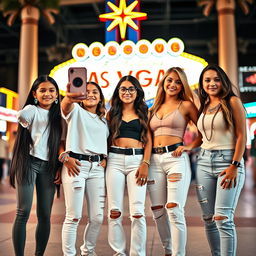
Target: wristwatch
236, 163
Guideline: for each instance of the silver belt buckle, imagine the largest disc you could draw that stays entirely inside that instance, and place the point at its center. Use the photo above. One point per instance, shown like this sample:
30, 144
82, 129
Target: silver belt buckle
90, 158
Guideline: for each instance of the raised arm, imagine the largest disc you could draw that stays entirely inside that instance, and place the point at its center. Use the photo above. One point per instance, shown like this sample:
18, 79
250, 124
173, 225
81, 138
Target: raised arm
67, 103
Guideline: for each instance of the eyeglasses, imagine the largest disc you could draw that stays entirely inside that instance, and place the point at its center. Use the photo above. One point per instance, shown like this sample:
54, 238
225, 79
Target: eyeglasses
131, 90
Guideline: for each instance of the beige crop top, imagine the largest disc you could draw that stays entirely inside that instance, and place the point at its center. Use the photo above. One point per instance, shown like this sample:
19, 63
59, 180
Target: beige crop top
221, 137
173, 124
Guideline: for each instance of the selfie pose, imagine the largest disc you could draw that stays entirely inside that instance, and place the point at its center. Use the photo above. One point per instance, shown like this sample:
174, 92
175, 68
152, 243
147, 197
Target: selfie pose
35, 161
170, 173
128, 163
84, 161
220, 173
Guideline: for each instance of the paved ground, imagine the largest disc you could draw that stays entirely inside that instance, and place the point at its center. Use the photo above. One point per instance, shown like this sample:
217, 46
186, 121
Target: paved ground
196, 245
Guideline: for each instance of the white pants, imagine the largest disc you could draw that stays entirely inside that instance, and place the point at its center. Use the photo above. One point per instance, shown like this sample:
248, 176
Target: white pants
121, 169
169, 180
90, 182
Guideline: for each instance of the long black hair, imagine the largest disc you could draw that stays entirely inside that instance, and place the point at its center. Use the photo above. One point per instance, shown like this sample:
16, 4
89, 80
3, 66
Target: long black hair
20, 163
225, 94
115, 112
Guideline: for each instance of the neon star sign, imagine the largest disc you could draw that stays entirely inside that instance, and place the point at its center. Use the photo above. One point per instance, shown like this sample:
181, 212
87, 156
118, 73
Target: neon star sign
123, 16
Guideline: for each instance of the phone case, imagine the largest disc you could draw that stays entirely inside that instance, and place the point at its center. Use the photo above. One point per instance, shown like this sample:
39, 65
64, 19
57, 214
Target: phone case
77, 77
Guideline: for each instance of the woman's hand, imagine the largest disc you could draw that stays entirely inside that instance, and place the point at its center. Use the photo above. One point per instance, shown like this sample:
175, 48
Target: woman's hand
103, 163
72, 96
72, 165
142, 174
179, 150
230, 177
57, 179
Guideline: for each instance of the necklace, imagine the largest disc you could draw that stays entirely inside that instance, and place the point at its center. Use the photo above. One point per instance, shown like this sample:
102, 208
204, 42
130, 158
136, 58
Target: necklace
217, 110
211, 110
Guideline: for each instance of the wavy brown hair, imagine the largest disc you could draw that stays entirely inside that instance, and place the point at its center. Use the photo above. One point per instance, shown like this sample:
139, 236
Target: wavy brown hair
185, 93
225, 94
115, 112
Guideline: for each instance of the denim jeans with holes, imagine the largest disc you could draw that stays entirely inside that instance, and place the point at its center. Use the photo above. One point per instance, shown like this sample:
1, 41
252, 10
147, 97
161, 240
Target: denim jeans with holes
171, 223
216, 201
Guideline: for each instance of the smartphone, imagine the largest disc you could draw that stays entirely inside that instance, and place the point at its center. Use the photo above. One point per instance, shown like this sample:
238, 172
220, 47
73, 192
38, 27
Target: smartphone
77, 77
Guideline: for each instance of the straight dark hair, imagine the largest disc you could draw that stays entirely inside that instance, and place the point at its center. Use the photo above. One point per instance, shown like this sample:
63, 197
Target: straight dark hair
115, 112
20, 164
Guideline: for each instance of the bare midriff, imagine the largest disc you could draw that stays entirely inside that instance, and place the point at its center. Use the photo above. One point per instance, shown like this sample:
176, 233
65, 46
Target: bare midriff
128, 143
165, 140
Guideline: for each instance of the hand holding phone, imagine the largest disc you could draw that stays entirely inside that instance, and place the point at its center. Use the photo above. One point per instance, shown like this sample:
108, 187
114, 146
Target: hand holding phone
77, 77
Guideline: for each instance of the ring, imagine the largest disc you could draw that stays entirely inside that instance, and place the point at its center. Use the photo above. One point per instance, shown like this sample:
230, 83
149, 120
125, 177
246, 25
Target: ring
142, 178
227, 180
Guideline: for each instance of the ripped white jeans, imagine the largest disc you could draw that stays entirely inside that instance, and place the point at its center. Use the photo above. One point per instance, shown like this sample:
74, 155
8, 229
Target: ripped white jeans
89, 182
168, 183
121, 170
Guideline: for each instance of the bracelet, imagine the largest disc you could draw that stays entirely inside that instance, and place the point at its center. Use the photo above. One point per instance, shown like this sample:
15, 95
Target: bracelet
66, 159
236, 163
146, 162
63, 157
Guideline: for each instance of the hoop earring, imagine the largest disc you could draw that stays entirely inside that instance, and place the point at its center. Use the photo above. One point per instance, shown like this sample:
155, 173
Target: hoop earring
36, 100
56, 101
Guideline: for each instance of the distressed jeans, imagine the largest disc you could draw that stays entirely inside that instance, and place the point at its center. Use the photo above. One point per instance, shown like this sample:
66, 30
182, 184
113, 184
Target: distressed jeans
121, 170
216, 201
90, 182
169, 180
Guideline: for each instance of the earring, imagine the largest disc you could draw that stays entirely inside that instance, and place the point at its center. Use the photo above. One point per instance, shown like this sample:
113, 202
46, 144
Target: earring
36, 100
56, 101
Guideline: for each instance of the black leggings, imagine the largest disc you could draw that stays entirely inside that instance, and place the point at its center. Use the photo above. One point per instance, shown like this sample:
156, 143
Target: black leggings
45, 194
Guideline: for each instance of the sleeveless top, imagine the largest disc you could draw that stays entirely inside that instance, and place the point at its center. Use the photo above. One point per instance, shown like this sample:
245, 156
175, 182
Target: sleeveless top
173, 124
221, 137
131, 129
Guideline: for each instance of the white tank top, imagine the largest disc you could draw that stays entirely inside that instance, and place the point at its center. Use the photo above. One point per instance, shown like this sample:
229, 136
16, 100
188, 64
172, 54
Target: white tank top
222, 138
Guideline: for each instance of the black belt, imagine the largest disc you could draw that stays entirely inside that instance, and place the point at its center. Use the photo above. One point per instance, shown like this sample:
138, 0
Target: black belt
90, 158
166, 149
127, 151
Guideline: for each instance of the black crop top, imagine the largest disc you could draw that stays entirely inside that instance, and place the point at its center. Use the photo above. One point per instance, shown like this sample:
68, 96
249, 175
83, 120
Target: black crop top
131, 129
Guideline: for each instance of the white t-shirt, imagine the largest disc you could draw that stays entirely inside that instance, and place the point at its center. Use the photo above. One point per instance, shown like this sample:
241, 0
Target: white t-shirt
87, 133
35, 119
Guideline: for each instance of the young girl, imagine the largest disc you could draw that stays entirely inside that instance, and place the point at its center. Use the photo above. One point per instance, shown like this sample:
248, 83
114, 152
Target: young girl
84, 163
35, 161
128, 164
170, 173
220, 171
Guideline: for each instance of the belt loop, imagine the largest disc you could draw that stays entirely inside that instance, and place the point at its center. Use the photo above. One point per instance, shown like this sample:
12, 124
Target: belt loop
166, 148
133, 151
203, 151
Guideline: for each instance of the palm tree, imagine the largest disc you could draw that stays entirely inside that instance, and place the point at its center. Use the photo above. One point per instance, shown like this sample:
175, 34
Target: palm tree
227, 34
29, 11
